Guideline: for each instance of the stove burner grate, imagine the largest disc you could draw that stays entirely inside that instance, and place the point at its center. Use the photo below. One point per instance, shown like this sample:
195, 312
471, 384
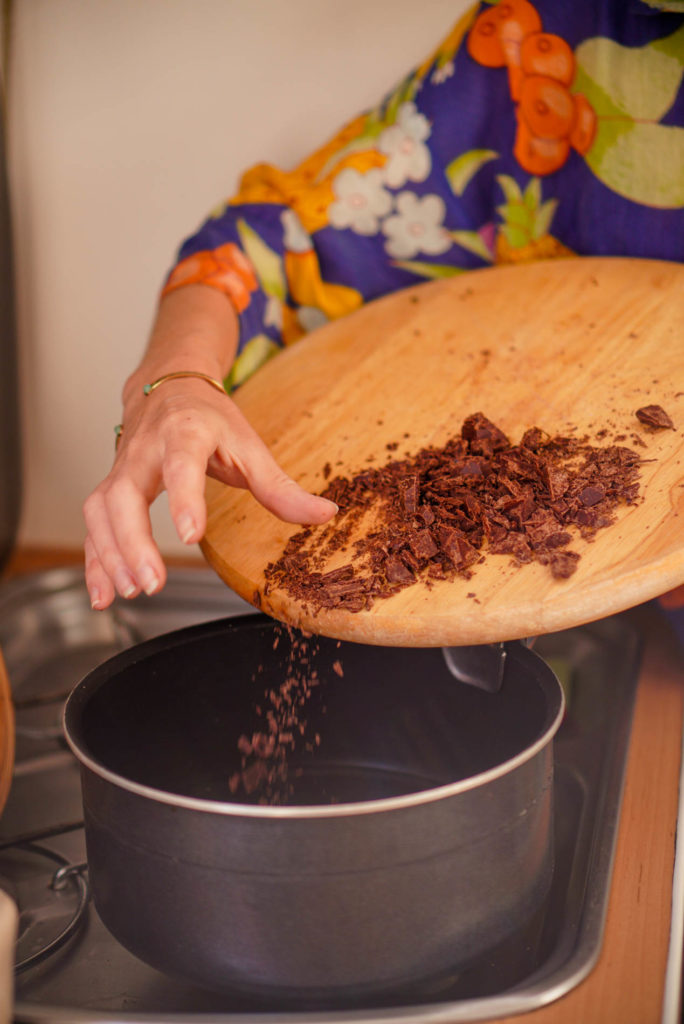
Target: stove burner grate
49, 913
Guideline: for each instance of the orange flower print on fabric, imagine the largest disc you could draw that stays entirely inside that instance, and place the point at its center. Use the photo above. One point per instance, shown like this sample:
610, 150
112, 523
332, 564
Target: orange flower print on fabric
226, 268
309, 188
541, 68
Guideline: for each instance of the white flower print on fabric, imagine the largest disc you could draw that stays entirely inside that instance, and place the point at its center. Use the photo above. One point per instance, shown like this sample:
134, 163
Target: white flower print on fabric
309, 318
440, 74
273, 313
295, 237
403, 143
416, 227
361, 201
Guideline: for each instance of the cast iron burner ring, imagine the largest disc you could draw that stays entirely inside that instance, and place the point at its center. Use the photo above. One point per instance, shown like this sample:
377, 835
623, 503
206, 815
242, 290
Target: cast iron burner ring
67, 874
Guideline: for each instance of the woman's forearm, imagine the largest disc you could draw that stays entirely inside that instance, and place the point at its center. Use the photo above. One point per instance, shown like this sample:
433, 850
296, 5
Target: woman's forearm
196, 328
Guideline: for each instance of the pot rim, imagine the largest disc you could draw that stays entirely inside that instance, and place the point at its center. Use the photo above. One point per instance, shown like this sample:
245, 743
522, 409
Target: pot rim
277, 812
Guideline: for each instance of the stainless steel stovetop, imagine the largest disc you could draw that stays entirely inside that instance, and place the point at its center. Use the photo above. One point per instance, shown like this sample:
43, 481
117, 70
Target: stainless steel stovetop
69, 968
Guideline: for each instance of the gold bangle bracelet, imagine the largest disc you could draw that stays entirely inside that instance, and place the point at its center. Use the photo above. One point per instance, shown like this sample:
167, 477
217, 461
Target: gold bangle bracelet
149, 388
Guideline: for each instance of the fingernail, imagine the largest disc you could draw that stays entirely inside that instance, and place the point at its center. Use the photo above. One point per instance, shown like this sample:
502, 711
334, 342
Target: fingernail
186, 528
336, 507
95, 599
148, 580
124, 584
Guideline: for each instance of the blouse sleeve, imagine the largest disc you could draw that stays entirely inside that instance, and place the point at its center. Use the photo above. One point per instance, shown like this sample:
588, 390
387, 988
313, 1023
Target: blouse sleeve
294, 249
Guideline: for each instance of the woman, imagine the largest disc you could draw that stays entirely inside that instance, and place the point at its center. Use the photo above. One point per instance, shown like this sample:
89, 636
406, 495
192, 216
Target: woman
535, 130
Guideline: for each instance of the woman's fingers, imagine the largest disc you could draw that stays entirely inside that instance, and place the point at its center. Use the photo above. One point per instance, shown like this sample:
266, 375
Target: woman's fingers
120, 547
100, 587
128, 511
282, 496
243, 460
174, 448
106, 570
184, 470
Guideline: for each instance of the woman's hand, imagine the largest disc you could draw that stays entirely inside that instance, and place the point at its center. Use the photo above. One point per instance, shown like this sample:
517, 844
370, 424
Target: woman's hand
171, 439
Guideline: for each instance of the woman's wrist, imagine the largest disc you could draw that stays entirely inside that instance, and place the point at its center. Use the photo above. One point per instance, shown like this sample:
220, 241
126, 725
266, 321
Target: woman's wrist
196, 330
141, 381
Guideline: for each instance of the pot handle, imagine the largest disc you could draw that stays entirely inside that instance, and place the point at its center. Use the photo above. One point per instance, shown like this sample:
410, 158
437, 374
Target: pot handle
481, 665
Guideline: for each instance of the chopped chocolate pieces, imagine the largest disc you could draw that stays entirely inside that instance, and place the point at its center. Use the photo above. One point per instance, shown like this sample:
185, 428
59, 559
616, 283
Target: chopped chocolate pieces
409, 494
563, 564
655, 416
436, 514
397, 571
483, 436
556, 480
533, 439
453, 544
422, 544
283, 726
592, 494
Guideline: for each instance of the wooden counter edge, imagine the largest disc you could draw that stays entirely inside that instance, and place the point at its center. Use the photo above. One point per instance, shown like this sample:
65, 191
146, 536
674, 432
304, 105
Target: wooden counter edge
626, 986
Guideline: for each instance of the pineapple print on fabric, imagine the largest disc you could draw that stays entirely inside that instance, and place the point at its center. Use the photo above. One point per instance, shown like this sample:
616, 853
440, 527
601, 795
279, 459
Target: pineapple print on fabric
523, 233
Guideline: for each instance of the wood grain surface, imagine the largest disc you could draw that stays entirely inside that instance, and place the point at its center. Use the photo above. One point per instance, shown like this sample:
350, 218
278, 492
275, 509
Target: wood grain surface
573, 345
626, 986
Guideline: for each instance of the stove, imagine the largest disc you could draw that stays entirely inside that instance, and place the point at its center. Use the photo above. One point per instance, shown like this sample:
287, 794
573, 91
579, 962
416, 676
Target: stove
70, 969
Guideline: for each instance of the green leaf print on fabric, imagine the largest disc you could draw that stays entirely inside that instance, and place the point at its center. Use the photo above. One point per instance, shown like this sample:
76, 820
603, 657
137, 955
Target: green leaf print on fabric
433, 271
631, 89
373, 127
461, 170
532, 194
510, 188
256, 352
473, 242
404, 93
525, 217
267, 264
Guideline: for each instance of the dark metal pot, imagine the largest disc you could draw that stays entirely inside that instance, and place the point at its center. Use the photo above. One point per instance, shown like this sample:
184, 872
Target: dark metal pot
418, 833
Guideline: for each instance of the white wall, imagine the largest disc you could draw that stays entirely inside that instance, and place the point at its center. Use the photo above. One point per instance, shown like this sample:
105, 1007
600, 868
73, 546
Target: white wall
129, 119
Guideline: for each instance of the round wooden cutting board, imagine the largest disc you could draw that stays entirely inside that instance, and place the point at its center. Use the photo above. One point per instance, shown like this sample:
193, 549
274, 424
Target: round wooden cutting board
574, 345
6, 735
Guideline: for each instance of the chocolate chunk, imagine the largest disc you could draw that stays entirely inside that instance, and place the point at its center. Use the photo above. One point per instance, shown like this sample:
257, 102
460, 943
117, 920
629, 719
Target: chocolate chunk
513, 544
533, 439
397, 571
482, 435
557, 481
427, 515
455, 546
422, 544
592, 494
655, 416
563, 564
410, 494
